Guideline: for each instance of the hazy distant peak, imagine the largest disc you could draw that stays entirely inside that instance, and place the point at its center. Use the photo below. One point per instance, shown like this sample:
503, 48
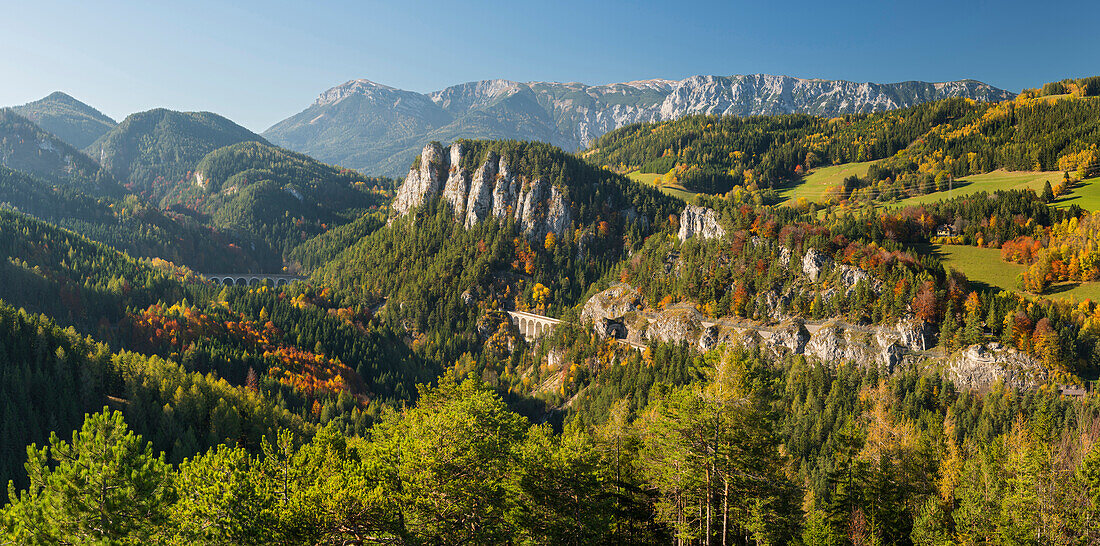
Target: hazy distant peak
69, 119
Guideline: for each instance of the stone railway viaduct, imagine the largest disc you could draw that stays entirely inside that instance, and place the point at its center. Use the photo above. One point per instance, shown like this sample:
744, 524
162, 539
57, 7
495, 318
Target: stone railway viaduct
251, 279
533, 326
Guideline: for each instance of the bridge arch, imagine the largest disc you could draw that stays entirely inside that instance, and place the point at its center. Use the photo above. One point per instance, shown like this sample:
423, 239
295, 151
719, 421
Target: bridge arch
242, 282
531, 325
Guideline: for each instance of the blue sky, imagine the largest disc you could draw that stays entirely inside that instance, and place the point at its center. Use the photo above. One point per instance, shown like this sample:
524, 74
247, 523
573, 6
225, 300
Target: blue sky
259, 62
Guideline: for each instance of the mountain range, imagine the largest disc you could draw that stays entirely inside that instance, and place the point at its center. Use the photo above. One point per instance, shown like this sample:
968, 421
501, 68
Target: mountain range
379, 129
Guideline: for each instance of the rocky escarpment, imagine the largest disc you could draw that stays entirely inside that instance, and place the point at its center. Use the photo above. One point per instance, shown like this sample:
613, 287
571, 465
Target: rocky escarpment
980, 367
621, 312
701, 221
537, 206
377, 129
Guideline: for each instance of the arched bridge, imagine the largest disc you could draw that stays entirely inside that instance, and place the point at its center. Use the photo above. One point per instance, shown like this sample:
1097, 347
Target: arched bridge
532, 325
251, 279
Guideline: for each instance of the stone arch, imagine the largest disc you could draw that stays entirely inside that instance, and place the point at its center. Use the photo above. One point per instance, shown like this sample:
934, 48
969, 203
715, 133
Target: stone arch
280, 282
538, 329
228, 281
242, 282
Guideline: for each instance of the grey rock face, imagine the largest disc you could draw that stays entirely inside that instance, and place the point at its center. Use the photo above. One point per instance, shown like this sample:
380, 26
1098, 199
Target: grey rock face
771, 305
784, 256
479, 202
611, 304
814, 263
423, 183
457, 186
915, 334
891, 356
537, 206
793, 335
708, 339
676, 326
696, 220
849, 276
836, 342
979, 368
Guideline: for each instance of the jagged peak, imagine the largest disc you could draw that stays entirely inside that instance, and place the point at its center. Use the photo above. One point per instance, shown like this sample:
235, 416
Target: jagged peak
479, 91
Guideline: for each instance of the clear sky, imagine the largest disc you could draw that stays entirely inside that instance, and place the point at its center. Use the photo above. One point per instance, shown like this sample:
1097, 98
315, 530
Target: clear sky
259, 62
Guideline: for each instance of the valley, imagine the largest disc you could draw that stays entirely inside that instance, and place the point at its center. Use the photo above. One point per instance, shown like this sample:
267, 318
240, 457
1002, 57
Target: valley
749, 310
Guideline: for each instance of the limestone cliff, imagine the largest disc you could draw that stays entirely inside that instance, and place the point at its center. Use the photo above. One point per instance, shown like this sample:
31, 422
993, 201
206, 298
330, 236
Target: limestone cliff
696, 220
980, 367
492, 189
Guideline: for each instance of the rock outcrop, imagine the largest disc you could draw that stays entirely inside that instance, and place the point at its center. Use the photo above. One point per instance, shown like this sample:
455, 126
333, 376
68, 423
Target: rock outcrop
915, 334
701, 221
619, 312
814, 263
850, 276
979, 367
611, 304
791, 334
537, 206
677, 325
836, 342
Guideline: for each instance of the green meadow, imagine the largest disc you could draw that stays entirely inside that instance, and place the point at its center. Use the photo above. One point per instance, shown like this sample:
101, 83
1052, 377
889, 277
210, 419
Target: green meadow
985, 266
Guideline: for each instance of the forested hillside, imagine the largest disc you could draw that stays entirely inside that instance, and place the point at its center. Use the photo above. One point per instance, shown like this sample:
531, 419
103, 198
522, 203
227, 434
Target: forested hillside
153, 151
26, 147
278, 196
132, 225
76, 123
925, 144
298, 351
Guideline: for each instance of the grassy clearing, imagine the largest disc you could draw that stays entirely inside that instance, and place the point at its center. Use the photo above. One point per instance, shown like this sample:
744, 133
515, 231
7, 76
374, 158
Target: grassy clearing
1086, 195
985, 266
814, 185
988, 182
651, 179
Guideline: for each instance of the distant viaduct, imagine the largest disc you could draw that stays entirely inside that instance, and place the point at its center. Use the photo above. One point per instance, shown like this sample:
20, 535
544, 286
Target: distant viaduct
251, 279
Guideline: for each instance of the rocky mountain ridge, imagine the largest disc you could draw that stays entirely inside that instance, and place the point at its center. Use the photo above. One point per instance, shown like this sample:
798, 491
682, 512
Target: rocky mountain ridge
378, 129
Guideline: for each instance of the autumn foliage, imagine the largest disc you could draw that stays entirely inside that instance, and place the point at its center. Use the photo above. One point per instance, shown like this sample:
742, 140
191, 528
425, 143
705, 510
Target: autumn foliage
175, 329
